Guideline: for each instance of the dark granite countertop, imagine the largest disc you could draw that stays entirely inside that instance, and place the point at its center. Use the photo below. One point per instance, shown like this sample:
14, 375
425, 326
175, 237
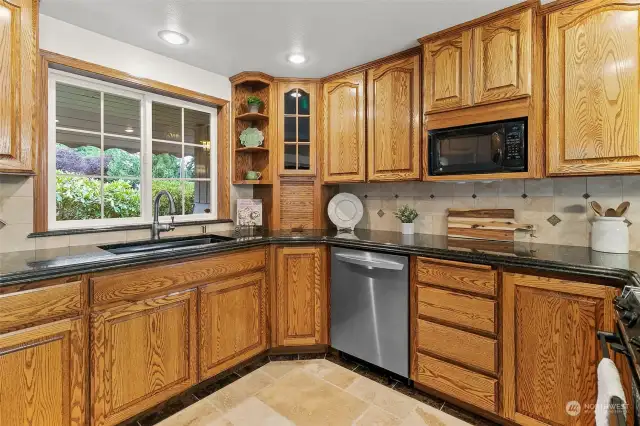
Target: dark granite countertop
26, 266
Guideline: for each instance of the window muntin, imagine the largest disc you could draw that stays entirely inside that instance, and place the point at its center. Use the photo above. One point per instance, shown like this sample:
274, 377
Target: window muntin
103, 143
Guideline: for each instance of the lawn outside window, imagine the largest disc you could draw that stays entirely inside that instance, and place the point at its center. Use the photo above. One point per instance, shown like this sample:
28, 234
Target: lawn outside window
112, 149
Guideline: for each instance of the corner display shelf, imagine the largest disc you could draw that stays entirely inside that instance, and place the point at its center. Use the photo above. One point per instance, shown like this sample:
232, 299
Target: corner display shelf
252, 149
252, 116
259, 158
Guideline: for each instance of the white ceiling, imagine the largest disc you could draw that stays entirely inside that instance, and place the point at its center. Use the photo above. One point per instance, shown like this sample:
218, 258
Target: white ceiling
228, 37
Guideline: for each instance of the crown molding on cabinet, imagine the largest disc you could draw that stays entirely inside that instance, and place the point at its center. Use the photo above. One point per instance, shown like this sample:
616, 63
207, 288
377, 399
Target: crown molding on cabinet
416, 50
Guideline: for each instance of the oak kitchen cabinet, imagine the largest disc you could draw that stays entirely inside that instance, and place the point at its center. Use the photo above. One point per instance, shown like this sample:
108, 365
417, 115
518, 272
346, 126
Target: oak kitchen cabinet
301, 295
233, 325
484, 63
18, 66
297, 128
394, 131
344, 129
43, 353
142, 353
43, 372
593, 73
550, 350
502, 53
447, 72
455, 330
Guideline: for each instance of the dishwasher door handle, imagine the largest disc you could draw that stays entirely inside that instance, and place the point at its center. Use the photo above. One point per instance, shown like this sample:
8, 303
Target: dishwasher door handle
372, 263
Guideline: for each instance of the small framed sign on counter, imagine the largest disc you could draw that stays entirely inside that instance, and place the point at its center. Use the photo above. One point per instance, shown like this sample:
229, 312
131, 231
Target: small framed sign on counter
249, 212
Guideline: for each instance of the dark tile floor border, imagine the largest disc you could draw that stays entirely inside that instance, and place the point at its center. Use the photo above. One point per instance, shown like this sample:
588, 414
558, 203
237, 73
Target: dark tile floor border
181, 401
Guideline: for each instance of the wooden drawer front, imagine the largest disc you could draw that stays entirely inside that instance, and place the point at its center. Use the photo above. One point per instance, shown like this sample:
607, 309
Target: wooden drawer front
460, 383
456, 345
467, 311
32, 306
129, 285
479, 279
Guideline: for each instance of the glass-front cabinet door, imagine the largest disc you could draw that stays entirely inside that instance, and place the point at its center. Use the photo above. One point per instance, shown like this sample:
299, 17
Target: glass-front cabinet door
297, 129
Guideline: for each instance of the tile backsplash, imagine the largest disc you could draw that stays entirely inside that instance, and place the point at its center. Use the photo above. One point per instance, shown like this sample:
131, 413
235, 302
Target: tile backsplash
16, 210
558, 207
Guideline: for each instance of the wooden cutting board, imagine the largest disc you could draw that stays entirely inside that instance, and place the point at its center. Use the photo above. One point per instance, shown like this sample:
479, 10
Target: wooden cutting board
484, 224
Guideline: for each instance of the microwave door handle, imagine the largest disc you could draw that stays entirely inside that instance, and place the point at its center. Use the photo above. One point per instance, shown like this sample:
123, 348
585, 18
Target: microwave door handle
498, 158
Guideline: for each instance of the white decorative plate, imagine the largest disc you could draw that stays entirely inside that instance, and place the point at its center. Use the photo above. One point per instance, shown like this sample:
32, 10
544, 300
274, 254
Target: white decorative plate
345, 210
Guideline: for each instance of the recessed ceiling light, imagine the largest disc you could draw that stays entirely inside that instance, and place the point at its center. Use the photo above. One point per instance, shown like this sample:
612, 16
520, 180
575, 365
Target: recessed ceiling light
173, 37
128, 130
296, 58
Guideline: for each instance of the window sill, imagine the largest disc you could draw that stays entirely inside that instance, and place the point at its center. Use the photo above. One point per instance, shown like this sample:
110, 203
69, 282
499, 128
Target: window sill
116, 228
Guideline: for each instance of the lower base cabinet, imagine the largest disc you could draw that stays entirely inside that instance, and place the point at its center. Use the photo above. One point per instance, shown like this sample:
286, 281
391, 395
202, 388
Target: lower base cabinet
141, 354
233, 325
42, 375
550, 350
301, 296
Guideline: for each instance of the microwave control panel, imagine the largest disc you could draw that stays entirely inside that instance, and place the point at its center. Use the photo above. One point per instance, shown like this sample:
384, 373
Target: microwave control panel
514, 145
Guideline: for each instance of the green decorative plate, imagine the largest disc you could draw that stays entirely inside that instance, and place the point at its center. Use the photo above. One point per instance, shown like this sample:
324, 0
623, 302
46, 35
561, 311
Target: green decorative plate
251, 137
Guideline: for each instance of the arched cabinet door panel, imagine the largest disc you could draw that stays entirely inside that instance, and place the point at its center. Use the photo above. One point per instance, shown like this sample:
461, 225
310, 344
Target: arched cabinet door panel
447, 73
344, 129
502, 58
592, 88
393, 92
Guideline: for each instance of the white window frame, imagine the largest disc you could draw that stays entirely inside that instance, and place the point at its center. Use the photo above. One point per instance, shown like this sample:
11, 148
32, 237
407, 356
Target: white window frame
146, 100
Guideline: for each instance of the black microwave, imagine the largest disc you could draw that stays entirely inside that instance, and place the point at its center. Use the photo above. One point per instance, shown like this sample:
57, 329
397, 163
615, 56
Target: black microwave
497, 147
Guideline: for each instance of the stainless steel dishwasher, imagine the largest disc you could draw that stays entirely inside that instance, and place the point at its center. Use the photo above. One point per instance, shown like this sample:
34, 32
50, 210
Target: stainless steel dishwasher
370, 307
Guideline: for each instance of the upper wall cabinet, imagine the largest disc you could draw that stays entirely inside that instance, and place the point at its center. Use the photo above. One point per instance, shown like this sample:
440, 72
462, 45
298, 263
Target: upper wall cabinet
481, 63
344, 129
592, 88
502, 58
297, 129
18, 63
447, 72
393, 94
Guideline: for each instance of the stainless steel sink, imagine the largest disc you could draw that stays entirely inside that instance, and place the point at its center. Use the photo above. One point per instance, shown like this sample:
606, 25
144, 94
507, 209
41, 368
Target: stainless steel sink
164, 244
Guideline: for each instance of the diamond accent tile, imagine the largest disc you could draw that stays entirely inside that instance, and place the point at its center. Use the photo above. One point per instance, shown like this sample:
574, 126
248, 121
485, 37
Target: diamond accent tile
474, 196
586, 196
628, 222
554, 220
380, 213
396, 196
432, 196
366, 196
524, 196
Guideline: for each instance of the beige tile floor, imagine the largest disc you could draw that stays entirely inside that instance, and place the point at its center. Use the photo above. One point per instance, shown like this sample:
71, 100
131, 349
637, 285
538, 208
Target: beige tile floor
308, 393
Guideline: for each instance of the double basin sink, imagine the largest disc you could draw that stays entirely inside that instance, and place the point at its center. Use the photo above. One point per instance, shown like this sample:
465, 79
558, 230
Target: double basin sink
164, 244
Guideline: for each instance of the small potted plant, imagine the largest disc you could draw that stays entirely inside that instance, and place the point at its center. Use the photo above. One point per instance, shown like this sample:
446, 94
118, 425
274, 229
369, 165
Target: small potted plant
406, 215
254, 103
